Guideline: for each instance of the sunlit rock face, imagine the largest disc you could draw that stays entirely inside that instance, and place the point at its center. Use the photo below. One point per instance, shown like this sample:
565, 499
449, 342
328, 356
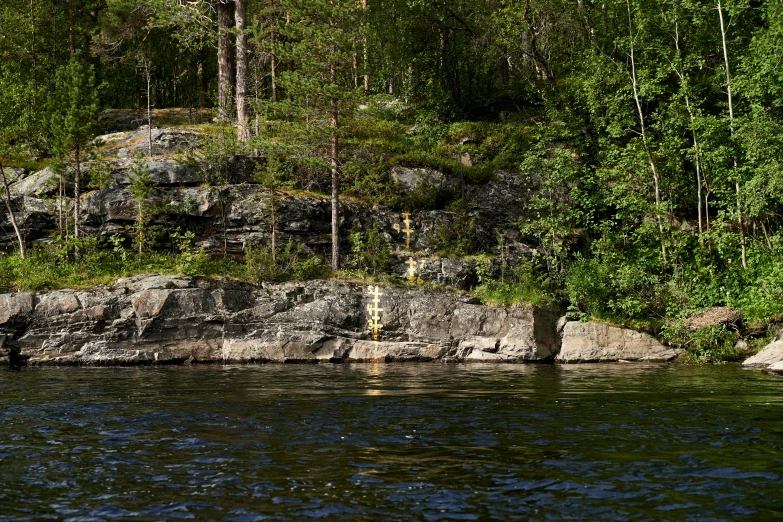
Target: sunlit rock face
161, 319
596, 342
770, 357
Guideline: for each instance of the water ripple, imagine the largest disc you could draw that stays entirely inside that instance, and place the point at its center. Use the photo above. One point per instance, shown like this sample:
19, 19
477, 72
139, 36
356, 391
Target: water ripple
401, 442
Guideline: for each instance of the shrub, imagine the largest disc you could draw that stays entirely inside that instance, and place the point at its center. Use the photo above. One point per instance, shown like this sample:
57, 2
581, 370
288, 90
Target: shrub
288, 263
711, 344
370, 250
456, 237
524, 284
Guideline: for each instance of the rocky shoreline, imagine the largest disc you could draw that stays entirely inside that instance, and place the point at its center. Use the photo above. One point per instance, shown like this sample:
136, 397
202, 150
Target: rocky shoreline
174, 320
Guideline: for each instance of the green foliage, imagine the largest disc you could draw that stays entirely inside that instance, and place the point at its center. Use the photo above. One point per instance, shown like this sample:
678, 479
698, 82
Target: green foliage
189, 262
100, 172
557, 173
141, 187
213, 157
370, 250
288, 263
73, 105
45, 269
546, 89
522, 284
457, 236
311, 267
611, 287
711, 344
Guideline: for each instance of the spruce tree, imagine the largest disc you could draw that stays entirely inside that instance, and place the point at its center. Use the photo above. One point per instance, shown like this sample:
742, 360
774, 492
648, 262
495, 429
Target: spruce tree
73, 116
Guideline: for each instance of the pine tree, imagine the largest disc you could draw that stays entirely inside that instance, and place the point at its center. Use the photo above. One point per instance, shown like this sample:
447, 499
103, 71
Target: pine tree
320, 41
73, 116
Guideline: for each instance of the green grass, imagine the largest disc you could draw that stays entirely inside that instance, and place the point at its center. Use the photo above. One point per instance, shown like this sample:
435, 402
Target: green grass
509, 294
43, 271
29, 164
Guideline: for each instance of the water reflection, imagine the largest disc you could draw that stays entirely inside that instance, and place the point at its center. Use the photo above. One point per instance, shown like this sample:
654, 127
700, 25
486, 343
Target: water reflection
363, 442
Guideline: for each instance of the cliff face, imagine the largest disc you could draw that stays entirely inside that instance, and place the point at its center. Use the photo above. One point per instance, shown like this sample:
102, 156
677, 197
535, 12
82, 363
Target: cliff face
160, 319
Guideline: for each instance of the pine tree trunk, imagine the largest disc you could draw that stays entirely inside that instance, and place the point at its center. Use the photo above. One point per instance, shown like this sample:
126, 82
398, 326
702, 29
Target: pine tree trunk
335, 177
71, 45
32, 52
241, 82
226, 64
11, 214
149, 107
274, 225
273, 59
201, 82
290, 61
63, 227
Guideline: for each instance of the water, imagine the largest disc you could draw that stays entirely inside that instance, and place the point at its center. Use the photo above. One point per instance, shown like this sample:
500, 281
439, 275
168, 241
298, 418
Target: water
391, 442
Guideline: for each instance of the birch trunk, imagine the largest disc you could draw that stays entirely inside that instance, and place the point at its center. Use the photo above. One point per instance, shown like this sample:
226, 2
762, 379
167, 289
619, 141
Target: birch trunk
77, 194
731, 131
241, 80
683, 82
650, 159
11, 214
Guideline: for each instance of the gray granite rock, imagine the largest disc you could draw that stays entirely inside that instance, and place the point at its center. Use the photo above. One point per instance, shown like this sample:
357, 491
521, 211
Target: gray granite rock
768, 356
162, 319
411, 178
596, 342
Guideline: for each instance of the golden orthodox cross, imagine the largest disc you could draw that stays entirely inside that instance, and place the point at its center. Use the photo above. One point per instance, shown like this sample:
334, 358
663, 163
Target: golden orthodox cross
407, 230
374, 309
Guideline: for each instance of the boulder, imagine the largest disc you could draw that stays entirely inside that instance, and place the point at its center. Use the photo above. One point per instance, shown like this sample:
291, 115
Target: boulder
118, 120
769, 355
14, 174
776, 367
165, 141
596, 342
163, 173
109, 139
42, 183
505, 198
170, 140
411, 178
456, 272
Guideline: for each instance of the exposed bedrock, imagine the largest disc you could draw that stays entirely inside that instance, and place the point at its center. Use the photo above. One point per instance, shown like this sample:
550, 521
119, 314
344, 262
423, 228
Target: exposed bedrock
160, 319
164, 319
771, 357
596, 342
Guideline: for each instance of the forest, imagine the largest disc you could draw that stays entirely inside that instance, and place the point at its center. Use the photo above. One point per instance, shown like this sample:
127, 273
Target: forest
654, 132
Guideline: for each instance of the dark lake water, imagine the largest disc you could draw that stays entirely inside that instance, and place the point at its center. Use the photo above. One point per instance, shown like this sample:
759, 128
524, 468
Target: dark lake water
391, 442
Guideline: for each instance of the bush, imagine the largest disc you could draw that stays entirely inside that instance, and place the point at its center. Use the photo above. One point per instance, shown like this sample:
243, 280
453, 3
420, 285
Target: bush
455, 238
615, 289
311, 267
524, 284
287, 263
711, 344
370, 250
